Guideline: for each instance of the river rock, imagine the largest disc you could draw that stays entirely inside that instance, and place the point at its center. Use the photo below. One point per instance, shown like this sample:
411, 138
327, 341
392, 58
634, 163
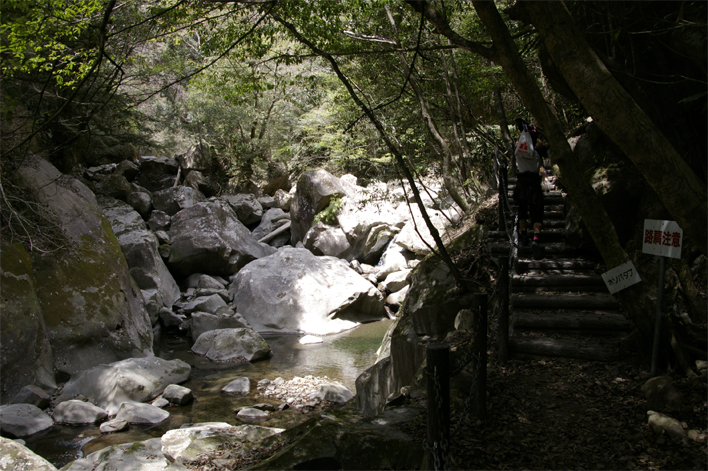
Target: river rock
16, 457
208, 238
157, 173
283, 199
394, 259
170, 319
141, 202
93, 310
137, 456
139, 413
177, 394
32, 395
188, 442
315, 190
140, 247
114, 186
113, 426
251, 415
25, 352
661, 424
75, 412
247, 208
397, 298
175, 199
396, 281
201, 183
134, 379
204, 322
239, 345
409, 237
238, 387
204, 304
272, 220
159, 221
295, 291
323, 239
334, 392
662, 395
22, 420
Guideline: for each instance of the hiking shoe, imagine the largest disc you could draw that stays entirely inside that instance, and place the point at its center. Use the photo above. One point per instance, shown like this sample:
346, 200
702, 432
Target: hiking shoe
536, 249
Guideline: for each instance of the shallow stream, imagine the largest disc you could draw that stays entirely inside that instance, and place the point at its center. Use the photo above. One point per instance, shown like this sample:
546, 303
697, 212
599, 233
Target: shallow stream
341, 357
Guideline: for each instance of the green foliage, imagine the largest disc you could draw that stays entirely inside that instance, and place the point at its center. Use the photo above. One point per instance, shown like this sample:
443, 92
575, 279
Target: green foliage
329, 214
52, 37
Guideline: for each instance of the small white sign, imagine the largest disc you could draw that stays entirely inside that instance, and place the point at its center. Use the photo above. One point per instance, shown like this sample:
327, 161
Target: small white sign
621, 277
663, 238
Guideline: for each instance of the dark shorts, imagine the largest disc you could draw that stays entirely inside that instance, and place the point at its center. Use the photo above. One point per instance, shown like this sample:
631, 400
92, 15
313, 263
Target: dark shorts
528, 196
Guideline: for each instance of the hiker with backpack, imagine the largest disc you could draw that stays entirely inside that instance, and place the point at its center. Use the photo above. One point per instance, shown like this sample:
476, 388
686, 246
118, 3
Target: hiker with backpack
528, 194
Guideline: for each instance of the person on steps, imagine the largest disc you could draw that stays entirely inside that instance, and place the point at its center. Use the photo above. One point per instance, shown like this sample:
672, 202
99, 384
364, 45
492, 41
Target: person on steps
528, 193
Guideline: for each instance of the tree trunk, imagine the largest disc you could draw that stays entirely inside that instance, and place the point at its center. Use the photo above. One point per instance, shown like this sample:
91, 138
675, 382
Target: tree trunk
430, 124
504, 127
619, 116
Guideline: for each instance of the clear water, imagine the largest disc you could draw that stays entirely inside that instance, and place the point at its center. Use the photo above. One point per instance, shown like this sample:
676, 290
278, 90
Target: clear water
341, 357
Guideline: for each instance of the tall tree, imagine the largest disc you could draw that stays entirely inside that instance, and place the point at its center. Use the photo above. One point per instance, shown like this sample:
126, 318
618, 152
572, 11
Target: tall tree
619, 116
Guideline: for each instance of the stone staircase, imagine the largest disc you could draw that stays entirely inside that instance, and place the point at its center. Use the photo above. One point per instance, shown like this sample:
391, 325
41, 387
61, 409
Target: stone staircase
560, 306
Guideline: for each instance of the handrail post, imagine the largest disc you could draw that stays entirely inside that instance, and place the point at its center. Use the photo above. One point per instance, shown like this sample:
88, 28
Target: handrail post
503, 195
503, 290
479, 348
438, 373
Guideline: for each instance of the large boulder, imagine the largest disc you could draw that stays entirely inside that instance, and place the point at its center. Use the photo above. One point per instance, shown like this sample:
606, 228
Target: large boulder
239, 345
131, 380
369, 220
19, 457
114, 186
25, 353
175, 199
208, 238
188, 442
136, 456
247, 207
75, 412
157, 173
415, 235
323, 239
92, 308
204, 322
428, 312
23, 420
295, 291
140, 247
315, 190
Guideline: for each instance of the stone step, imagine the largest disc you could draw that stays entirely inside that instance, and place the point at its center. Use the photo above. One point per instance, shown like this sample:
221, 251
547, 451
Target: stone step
558, 280
547, 347
551, 250
563, 265
548, 199
589, 322
546, 235
600, 302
